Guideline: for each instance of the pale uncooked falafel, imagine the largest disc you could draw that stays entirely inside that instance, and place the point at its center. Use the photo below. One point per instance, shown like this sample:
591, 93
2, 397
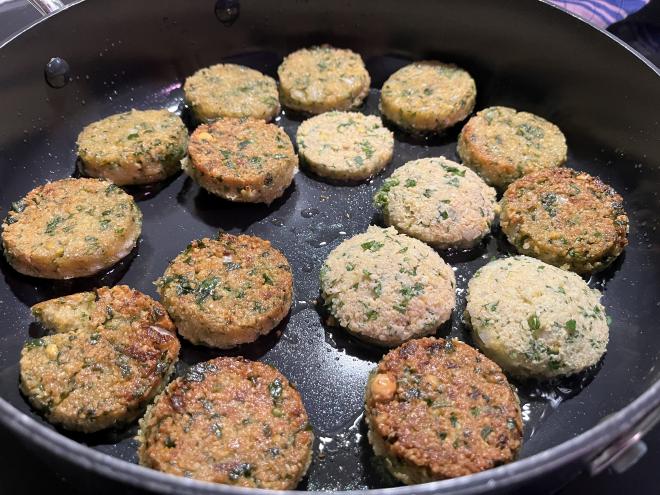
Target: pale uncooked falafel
439, 202
347, 146
385, 287
534, 319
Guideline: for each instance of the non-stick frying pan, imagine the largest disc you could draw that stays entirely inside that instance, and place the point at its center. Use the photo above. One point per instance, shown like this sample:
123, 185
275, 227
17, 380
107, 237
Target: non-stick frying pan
113, 55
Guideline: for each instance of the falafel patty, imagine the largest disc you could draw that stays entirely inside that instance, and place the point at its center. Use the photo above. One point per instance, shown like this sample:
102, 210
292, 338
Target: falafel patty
230, 421
428, 96
113, 351
227, 291
70, 228
536, 320
438, 409
345, 145
385, 287
502, 145
439, 202
230, 90
566, 218
244, 160
136, 147
323, 78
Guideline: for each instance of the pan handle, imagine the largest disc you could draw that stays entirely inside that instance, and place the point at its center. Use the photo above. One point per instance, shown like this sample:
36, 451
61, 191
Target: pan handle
46, 7
627, 449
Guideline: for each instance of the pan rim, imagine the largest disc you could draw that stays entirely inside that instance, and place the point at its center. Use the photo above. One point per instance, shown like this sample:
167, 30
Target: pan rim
585, 445
547, 3
581, 447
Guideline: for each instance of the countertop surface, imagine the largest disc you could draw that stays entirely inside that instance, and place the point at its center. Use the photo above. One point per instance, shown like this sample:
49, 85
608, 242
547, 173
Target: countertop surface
23, 473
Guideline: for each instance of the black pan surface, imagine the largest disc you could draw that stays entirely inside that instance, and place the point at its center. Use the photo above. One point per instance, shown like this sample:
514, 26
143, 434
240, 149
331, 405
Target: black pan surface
126, 55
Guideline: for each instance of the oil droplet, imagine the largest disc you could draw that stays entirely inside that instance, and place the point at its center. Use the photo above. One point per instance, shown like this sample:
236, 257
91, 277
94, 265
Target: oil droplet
308, 267
299, 306
309, 212
526, 412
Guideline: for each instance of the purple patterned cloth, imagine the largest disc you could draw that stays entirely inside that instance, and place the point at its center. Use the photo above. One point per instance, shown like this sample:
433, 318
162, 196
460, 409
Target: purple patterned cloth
601, 13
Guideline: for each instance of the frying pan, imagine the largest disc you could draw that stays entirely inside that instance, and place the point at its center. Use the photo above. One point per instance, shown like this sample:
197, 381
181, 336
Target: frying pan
95, 58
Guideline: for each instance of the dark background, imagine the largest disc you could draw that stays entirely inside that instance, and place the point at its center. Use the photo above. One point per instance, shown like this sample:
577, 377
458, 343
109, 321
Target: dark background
23, 473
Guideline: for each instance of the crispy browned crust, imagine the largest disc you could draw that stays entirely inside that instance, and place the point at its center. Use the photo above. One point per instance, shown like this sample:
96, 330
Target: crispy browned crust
107, 370
440, 409
242, 159
230, 421
566, 218
227, 291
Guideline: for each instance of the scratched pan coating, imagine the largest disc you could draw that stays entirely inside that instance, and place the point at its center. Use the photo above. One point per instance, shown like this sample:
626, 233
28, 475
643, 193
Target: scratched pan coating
116, 71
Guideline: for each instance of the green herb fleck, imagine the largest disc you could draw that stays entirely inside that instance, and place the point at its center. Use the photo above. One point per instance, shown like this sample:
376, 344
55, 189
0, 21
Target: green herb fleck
53, 223
275, 389
454, 170
205, 289
33, 343
380, 199
549, 203
112, 189
571, 326
534, 323
367, 149
372, 246
217, 430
